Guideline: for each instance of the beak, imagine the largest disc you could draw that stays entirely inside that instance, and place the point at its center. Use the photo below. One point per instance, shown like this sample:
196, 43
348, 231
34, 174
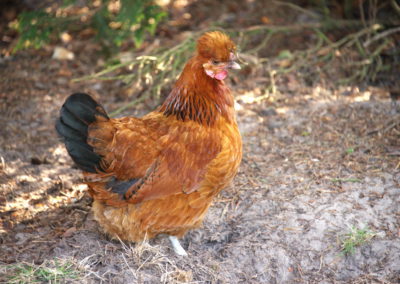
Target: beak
234, 65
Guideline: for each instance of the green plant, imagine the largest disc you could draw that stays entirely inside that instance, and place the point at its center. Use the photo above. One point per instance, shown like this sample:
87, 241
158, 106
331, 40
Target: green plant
131, 21
114, 21
54, 271
355, 238
35, 28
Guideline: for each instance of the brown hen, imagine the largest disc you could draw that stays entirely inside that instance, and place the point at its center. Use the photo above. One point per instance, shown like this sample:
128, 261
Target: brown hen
159, 173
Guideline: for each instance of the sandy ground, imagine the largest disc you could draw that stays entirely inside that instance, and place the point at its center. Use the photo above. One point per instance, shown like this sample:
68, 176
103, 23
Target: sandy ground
318, 162
314, 166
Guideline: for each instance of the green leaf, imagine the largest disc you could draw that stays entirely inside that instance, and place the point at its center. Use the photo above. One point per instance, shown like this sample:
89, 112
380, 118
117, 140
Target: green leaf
285, 54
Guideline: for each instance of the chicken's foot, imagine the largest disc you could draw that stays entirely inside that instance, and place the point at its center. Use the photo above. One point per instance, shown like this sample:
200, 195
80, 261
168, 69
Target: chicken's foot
179, 250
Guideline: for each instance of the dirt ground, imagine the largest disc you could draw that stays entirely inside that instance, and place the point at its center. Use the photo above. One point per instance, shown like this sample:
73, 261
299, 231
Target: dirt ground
318, 162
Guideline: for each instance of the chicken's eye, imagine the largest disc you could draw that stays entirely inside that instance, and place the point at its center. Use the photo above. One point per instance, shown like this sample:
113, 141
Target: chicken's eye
215, 62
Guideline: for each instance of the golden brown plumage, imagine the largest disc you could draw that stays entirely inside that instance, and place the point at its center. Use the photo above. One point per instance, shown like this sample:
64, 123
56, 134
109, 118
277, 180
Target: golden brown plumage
159, 173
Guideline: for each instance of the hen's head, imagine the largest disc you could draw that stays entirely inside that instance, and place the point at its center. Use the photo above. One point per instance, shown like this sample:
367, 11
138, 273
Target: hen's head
218, 53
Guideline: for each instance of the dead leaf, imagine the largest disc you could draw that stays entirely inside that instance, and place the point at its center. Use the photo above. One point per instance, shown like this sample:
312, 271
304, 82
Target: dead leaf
68, 233
284, 63
266, 20
61, 53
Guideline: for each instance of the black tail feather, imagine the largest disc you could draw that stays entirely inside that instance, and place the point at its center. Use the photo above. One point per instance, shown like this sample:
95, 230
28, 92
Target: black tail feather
78, 111
72, 121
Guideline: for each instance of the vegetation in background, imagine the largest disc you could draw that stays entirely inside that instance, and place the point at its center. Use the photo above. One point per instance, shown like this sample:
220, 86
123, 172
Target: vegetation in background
363, 53
353, 37
113, 21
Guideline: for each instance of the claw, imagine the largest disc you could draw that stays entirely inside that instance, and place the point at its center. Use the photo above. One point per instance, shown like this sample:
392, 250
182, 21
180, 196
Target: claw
179, 250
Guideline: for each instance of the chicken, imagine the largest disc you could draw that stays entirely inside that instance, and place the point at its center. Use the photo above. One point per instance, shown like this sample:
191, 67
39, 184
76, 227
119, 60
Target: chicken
159, 174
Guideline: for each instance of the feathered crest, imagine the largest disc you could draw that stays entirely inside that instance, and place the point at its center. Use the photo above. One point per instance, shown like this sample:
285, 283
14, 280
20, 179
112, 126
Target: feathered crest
215, 45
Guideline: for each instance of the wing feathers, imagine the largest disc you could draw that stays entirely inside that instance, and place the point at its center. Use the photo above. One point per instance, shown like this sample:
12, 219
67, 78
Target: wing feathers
144, 162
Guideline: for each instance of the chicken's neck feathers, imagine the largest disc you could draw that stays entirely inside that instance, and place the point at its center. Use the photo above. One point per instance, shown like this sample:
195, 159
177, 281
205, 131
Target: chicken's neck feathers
198, 97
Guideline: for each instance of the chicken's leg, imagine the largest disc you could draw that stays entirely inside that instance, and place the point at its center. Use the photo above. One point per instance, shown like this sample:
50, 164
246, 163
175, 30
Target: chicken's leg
179, 250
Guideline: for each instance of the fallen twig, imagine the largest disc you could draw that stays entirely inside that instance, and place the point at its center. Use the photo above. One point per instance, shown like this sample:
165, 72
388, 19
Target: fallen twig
381, 35
387, 126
